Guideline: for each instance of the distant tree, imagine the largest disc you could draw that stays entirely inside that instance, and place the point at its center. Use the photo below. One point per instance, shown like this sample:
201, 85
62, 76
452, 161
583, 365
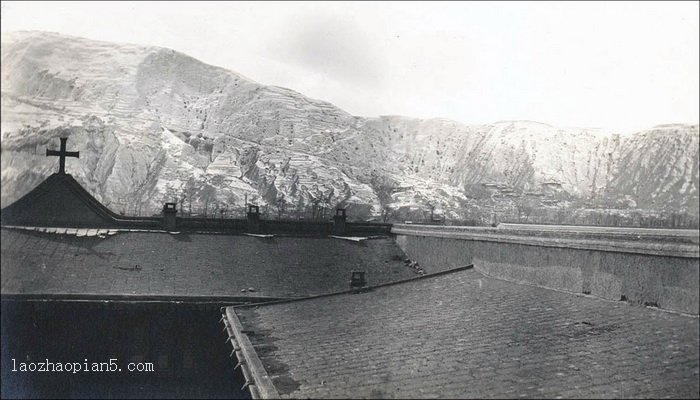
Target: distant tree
300, 207
182, 199
431, 207
189, 191
329, 203
280, 204
315, 209
388, 214
526, 208
231, 202
207, 195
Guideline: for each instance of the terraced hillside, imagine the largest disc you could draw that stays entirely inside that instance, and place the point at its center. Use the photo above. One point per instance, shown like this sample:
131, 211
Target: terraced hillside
155, 125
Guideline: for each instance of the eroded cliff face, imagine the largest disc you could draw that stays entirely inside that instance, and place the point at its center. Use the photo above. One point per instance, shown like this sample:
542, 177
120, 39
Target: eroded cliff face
154, 125
658, 168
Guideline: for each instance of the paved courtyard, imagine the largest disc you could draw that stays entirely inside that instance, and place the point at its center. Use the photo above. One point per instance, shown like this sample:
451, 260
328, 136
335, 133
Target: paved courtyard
464, 335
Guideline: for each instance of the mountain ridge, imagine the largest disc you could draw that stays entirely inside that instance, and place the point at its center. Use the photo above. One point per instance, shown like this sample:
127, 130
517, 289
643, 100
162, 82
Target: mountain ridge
155, 125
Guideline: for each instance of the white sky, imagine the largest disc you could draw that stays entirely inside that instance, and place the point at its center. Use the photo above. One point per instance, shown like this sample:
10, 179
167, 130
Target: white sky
620, 66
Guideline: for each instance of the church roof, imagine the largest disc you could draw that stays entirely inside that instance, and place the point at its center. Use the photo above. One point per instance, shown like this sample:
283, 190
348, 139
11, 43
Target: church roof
58, 241
463, 335
61, 201
153, 265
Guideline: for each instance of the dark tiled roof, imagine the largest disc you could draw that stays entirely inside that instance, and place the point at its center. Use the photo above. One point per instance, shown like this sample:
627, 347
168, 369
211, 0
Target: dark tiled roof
161, 264
468, 336
58, 201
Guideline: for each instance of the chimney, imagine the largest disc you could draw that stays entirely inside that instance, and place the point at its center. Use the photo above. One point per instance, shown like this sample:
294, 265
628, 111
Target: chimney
253, 218
357, 280
169, 219
339, 221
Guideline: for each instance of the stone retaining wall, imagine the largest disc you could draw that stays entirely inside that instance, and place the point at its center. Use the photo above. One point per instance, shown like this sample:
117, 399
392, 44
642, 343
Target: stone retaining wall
649, 268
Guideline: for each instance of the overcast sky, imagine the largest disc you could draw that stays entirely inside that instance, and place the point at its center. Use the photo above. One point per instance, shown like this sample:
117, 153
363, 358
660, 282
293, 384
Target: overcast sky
618, 66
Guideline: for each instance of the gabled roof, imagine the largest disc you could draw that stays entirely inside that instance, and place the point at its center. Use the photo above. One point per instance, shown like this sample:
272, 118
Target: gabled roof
463, 335
59, 201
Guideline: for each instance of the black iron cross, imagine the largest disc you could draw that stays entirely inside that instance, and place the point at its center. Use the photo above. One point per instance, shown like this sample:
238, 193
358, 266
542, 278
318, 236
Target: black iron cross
62, 154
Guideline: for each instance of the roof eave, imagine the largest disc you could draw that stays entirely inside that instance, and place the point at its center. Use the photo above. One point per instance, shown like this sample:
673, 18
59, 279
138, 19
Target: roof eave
259, 383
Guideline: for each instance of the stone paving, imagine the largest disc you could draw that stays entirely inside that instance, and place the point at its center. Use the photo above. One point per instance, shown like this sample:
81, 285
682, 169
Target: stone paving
191, 265
463, 335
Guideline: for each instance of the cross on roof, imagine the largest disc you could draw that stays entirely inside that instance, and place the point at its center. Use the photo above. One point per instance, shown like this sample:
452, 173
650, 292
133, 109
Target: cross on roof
62, 154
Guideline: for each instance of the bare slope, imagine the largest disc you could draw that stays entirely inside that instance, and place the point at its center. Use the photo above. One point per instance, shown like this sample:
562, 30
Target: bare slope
153, 124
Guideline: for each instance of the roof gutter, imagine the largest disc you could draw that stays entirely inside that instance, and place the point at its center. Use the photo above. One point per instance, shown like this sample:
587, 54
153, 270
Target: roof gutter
256, 378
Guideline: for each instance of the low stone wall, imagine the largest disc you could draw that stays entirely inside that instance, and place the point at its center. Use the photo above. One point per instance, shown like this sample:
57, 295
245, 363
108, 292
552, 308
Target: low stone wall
290, 227
659, 268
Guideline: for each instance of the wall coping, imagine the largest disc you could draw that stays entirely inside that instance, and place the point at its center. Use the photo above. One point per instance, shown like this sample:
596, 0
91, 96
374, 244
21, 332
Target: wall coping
663, 242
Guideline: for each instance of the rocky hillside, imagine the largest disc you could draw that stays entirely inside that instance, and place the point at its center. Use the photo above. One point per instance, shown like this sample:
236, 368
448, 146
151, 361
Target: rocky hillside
152, 124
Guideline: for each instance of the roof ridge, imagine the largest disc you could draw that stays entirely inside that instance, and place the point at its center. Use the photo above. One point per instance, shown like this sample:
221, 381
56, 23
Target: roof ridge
362, 290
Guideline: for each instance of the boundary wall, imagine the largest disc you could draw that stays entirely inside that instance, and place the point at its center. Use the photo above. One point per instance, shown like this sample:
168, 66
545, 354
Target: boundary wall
653, 267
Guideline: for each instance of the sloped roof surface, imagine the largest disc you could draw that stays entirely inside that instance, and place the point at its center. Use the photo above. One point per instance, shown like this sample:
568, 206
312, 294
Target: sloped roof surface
465, 335
58, 201
162, 264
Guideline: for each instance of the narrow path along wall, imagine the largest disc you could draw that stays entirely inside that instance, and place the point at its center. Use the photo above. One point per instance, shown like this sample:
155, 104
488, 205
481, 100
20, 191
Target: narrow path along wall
648, 267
